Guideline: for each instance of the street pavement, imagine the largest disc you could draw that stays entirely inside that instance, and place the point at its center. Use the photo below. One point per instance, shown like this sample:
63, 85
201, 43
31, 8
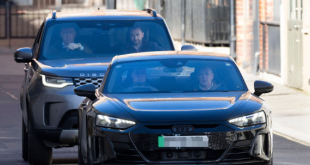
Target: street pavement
289, 119
11, 78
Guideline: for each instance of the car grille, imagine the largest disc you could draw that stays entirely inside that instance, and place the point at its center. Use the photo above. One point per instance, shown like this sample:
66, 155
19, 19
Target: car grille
240, 150
147, 144
88, 80
238, 153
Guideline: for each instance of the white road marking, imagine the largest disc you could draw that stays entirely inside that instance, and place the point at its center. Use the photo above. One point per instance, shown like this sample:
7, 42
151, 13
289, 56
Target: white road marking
10, 94
10, 138
290, 163
291, 139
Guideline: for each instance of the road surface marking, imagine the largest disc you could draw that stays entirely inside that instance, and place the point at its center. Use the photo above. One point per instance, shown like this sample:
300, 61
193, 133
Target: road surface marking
291, 139
8, 93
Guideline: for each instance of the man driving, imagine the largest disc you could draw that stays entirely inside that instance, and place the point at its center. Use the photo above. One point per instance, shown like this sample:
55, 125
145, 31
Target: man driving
138, 76
137, 42
205, 78
69, 43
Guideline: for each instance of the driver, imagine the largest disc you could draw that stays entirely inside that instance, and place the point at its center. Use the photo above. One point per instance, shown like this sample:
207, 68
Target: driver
138, 76
138, 43
69, 42
205, 80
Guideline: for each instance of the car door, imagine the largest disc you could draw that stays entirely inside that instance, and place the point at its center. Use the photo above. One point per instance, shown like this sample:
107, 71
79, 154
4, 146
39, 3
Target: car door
29, 71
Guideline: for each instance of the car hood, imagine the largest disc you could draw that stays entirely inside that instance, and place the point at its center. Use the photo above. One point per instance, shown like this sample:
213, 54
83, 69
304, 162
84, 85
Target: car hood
94, 67
180, 107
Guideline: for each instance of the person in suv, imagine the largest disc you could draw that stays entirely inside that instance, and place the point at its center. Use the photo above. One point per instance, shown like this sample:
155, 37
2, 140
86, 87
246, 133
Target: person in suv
68, 43
137, 42
49, 105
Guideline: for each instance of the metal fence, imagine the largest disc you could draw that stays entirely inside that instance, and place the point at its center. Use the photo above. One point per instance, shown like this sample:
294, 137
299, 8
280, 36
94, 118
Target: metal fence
24, 21
22, 18
206, 21
3, 17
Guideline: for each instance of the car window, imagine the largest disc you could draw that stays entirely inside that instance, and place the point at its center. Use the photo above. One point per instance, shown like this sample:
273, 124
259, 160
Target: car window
174, 75
106, 38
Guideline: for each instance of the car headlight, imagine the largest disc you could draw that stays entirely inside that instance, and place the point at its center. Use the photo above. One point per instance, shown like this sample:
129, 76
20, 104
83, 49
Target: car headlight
249, 120
111, 122
56, 82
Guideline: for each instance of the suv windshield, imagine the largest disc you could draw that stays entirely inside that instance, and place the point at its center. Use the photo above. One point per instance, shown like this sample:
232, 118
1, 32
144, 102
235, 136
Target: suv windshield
104, 38
174, 75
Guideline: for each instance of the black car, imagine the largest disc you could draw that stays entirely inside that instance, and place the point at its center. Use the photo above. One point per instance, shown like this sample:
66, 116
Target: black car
174, 107
73, 49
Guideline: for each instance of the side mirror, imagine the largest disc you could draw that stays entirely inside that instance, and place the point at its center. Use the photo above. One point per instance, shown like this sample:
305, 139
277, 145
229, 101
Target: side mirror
87, 90
188, 47
23, 55
262, 87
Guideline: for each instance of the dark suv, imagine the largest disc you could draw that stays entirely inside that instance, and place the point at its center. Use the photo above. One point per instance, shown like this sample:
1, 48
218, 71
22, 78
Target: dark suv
73, 49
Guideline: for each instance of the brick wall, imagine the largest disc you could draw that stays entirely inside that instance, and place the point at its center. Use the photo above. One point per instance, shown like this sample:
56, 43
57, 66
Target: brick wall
239, 31
244, 33
262, 16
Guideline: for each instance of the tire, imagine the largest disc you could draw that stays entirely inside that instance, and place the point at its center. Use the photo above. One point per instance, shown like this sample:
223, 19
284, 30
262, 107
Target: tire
270, 162
80, 157
81, 160
24, 142
38, 153
90, 159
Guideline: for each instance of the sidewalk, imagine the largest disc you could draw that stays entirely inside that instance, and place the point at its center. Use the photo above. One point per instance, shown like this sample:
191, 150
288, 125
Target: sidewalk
290, 107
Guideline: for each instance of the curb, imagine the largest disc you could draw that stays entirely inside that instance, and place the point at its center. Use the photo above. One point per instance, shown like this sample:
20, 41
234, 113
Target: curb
291, 134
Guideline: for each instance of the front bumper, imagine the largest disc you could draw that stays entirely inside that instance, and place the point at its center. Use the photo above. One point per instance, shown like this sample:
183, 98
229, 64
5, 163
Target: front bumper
53, 112
226, 146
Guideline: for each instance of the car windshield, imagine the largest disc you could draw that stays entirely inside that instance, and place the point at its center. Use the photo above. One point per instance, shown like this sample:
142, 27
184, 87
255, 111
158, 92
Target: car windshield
174, 75
104, 38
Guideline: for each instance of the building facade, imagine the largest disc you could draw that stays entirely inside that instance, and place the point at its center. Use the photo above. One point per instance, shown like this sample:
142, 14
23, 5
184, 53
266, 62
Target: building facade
273, 39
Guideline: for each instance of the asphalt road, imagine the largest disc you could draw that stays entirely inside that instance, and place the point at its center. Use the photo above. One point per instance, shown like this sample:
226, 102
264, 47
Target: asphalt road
286, 152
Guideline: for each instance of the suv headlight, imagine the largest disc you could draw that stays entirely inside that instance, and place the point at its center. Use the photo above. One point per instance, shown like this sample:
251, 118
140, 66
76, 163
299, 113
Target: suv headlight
56, 82
111, 122
249, 120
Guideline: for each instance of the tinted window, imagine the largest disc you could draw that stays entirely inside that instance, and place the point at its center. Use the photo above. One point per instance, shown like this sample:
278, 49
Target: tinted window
174, 75
105, 38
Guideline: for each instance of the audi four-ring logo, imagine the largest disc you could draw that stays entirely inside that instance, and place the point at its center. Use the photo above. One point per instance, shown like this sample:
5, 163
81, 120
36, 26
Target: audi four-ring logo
182, 128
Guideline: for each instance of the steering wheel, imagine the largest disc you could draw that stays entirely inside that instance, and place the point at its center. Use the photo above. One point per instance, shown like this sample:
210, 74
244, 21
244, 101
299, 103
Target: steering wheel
220, 85
140, 86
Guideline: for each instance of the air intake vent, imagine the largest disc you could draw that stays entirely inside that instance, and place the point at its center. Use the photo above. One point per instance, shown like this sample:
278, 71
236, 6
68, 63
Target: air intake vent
88, 80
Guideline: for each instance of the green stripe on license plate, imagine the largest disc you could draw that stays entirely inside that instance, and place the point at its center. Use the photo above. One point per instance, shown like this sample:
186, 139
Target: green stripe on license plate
183, 141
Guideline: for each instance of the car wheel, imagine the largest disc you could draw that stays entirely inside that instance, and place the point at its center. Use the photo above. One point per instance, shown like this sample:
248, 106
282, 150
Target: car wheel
90, 160
80, 158
38, 153
270, 162
24, 142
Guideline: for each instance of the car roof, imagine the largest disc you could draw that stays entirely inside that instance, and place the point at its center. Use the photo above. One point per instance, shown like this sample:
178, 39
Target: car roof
170, 54
102, 14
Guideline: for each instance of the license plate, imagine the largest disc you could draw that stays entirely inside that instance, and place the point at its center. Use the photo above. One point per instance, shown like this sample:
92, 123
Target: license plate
183, 141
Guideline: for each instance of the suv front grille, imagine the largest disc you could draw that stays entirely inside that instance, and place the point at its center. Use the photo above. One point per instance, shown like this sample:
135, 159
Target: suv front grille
88, 80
